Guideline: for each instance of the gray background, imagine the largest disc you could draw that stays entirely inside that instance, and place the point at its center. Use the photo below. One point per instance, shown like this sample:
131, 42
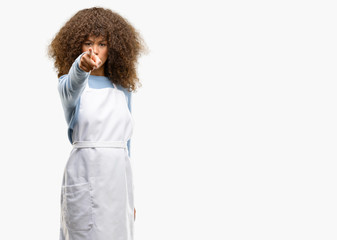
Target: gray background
235, 134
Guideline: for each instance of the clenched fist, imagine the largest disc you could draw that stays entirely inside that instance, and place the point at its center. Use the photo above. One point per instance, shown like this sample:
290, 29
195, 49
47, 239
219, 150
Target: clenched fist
90, 61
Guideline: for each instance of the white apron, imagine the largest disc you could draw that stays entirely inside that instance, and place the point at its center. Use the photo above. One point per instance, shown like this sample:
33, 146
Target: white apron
97, 201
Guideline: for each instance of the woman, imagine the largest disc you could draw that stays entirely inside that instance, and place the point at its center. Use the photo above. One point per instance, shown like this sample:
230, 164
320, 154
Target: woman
95, 54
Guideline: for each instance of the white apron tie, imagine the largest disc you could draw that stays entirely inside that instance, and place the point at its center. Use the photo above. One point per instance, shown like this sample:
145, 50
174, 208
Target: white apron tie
100, 144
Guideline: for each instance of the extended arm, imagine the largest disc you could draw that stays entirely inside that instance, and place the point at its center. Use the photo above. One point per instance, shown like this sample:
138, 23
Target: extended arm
71, 86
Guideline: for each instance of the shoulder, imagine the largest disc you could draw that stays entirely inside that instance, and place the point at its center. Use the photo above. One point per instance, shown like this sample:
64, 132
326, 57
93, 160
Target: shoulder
126, 92
63, 77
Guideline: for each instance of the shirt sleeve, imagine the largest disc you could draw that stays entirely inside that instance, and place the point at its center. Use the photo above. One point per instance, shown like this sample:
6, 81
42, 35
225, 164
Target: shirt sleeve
71, 86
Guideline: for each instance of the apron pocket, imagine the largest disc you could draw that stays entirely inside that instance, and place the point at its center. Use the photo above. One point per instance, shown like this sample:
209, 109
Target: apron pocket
77, 206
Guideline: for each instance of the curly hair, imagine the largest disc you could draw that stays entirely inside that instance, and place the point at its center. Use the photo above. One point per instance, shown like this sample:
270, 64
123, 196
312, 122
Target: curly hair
124, 43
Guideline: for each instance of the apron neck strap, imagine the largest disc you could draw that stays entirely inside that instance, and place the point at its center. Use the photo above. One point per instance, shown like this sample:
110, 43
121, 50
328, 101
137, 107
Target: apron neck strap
87, 84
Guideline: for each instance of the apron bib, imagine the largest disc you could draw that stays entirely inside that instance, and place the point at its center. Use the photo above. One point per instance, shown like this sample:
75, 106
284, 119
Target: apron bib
97, 201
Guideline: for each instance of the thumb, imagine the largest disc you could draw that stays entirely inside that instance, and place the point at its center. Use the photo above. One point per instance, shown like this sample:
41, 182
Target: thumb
97, 60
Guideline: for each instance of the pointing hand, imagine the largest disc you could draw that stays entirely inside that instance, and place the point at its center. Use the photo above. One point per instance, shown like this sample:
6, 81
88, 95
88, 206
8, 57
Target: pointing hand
90, 61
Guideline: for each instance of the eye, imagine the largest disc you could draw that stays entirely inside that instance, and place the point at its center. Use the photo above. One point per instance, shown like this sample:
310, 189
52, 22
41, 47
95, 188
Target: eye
103, 44
87, 43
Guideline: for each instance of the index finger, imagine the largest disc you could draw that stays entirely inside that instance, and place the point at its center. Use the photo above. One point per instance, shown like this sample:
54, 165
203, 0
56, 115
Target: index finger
90, 52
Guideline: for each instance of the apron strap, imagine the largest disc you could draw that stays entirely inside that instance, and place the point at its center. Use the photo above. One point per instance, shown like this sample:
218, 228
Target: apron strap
87, 84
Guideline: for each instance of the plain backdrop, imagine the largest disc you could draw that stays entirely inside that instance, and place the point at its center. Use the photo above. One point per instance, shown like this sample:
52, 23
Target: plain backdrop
235, 122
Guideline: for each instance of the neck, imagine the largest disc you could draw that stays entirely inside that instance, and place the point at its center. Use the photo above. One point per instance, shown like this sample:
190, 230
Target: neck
98, 72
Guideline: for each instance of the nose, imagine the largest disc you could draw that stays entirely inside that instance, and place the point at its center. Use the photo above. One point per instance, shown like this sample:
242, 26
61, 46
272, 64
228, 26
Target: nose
95, 49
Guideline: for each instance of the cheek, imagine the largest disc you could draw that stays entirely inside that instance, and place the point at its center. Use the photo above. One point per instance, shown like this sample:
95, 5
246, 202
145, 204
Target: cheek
105, 54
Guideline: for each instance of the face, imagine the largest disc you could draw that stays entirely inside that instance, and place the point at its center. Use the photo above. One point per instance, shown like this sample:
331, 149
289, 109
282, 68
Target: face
99, 46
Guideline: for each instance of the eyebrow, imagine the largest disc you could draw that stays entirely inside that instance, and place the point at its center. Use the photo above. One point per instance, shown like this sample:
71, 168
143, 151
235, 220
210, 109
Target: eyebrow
92, 41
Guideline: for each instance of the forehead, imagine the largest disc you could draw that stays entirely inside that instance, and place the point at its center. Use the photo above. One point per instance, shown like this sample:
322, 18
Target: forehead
96, 38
